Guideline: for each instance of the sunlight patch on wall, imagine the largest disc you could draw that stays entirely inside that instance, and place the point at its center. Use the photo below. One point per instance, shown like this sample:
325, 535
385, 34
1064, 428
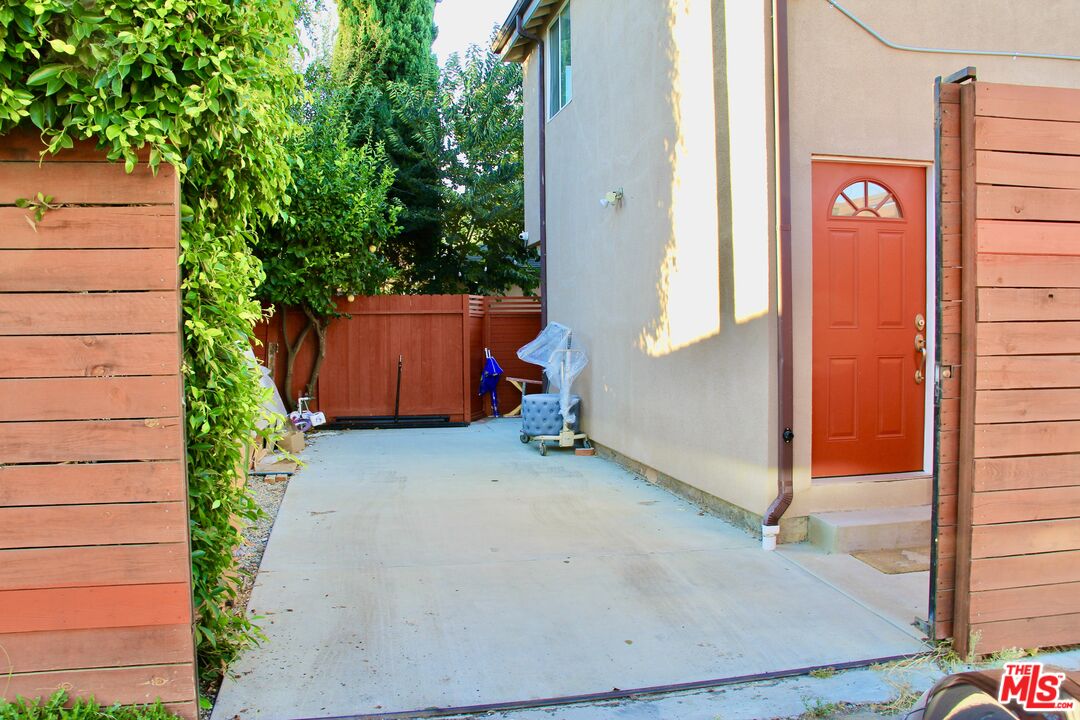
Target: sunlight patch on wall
689, 284
748, 139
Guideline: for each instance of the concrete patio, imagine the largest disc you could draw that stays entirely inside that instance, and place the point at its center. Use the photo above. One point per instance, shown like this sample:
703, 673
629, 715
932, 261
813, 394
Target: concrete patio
412, 569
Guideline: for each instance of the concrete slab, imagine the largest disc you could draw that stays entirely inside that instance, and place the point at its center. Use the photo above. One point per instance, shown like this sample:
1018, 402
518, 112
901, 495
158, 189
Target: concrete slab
900, 599
412, 569
783, 698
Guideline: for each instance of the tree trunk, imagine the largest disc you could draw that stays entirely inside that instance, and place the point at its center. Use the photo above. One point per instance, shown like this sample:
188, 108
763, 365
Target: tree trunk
292, 349
321, 325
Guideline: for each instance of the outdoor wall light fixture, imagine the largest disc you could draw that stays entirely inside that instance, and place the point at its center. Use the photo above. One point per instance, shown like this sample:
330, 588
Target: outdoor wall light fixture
612, 199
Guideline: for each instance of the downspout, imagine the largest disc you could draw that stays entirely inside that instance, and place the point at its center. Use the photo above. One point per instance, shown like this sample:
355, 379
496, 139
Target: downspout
542, 151
770, 526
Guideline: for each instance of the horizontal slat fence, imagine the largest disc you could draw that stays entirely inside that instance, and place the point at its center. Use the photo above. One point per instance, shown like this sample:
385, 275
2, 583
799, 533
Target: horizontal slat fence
439, 338
95, 593
1017, 573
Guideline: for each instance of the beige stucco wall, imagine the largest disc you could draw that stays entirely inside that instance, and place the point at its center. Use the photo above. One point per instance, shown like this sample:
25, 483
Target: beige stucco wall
851, 95
670, 293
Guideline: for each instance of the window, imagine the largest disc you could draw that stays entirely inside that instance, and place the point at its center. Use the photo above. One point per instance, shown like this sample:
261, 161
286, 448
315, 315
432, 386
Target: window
562, 85
866, 198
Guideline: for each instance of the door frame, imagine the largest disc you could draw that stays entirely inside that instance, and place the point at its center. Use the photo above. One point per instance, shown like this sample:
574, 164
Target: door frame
931, 305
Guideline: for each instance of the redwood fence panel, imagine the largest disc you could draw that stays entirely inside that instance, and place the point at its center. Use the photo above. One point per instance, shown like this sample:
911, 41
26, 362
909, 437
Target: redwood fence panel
477, 324
510, 322
427, 333
440, 340
1016, 579
95, 568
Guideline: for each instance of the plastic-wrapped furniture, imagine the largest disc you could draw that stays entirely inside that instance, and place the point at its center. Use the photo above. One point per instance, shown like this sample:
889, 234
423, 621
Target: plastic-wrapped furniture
540, 414
562, 364
542, 419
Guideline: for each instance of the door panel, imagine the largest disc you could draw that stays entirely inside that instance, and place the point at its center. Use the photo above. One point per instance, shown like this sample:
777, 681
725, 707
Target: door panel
869, 284
890, 280
843, 296
842, 380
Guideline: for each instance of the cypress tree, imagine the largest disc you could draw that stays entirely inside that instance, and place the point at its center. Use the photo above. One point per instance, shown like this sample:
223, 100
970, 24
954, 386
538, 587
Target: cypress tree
382, 44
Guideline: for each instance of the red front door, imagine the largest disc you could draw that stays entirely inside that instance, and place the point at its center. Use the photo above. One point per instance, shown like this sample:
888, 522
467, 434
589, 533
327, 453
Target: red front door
869, 285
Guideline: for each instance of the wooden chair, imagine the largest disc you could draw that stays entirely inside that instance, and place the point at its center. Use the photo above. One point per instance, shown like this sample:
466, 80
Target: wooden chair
522, 384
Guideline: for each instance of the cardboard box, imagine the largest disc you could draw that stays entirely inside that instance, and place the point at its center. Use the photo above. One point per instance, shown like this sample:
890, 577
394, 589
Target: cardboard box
258, 452
292, 443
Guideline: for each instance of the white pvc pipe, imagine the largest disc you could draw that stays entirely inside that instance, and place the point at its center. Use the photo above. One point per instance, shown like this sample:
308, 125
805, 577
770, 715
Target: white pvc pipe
769, 533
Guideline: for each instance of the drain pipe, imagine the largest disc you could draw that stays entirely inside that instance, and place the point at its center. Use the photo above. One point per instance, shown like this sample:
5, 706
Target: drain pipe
770, 526
542, 151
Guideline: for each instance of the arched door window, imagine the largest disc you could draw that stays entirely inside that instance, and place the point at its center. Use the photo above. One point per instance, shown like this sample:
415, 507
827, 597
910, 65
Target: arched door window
866, 198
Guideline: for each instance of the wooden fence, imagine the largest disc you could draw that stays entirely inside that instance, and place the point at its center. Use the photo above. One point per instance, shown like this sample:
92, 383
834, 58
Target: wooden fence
1008, 505
95, 593
440, 340
509, 323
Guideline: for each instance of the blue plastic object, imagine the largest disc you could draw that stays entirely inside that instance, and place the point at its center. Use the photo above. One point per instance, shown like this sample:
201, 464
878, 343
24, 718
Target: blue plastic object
489, 380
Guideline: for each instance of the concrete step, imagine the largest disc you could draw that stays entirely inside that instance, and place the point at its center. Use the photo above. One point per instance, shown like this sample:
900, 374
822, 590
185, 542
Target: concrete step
867, 492
879, 529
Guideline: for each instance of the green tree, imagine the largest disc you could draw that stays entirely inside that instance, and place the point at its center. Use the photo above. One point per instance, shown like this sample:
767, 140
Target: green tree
380, 43
478, 105
205, 85
481, 103
340, 218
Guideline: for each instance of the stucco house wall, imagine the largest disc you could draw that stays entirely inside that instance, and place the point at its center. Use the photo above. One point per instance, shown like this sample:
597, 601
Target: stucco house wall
850, 95
673, 293
680, 377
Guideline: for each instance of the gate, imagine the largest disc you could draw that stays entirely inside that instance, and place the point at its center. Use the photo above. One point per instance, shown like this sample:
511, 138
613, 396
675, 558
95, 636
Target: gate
1007, 505
95, 571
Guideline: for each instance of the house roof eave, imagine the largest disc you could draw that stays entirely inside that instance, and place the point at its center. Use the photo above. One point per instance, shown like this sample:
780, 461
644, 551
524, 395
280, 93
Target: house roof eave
510, 44
508, 28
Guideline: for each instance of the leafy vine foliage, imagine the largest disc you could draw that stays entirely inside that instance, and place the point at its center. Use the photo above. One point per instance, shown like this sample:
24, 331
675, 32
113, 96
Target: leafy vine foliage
204, 85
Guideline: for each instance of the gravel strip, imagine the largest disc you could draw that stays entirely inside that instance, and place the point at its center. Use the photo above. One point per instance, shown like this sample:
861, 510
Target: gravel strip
268, 491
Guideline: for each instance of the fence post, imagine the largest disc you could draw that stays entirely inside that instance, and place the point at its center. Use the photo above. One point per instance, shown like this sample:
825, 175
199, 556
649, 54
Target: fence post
466, 375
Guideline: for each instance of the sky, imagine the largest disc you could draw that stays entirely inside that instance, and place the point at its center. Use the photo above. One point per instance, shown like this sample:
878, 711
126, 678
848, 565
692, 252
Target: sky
463, 22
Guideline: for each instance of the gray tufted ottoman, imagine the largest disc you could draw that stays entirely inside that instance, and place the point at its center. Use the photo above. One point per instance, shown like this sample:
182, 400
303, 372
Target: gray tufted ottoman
540, 415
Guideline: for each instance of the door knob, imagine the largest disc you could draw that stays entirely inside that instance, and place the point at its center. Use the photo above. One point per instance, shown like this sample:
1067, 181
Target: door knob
920, 347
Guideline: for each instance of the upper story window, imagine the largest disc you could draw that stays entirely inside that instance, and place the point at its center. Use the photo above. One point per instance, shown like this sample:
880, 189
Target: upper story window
561, 81
866, 198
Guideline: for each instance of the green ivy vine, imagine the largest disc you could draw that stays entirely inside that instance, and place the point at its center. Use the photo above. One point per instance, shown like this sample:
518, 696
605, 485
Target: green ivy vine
204, 85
